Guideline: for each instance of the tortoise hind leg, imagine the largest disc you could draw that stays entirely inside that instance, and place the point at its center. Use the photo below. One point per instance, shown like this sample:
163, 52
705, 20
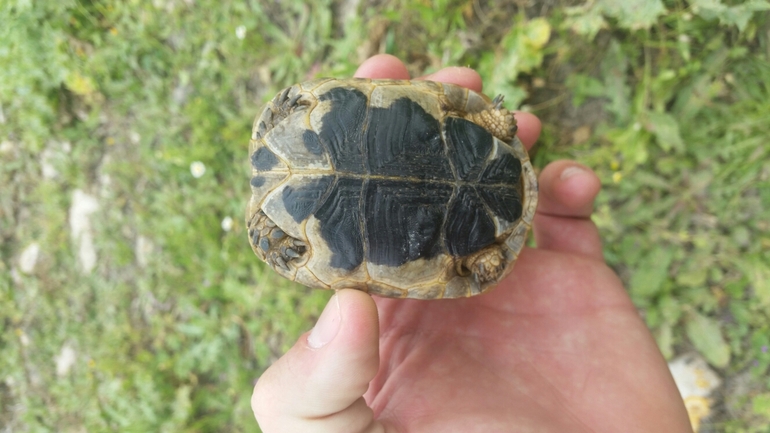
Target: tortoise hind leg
486, 265
272, 244
496, 119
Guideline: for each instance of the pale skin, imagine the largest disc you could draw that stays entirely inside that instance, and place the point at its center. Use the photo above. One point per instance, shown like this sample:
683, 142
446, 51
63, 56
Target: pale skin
556, 347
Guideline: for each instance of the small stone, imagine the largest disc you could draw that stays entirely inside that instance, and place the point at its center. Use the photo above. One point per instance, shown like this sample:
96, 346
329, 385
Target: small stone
65, 360
696, 382
83, 205
28, 258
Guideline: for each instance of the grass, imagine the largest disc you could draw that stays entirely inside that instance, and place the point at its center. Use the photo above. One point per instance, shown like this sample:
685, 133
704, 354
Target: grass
668, 101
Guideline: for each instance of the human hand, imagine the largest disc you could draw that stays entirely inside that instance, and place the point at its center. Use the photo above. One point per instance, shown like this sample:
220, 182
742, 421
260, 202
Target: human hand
556, 347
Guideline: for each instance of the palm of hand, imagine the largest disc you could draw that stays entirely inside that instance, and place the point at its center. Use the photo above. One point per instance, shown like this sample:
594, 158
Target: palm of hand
557, 347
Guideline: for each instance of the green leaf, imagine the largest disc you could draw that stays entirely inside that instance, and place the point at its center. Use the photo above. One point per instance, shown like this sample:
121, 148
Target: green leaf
666, 131
664, 336
706, 335
758, 273
648, 279
633, 14
761, 405
631, 142
670, 309
583, 87
692, 278
585, 20
614, 69
521, 50
738, 16
708, 9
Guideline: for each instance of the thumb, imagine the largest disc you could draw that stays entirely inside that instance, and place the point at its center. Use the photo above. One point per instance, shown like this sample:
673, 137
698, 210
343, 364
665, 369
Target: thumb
318, 385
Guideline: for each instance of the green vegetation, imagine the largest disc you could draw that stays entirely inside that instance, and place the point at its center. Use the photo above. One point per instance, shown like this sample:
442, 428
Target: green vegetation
669, 101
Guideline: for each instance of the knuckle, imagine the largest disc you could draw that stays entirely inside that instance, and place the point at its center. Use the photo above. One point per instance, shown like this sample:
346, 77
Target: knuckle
261, 403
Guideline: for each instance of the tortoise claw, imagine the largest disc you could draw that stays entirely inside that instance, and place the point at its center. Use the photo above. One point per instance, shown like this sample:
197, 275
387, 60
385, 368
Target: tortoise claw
294, 99
281, 98
281, 263
261, 129
279, 108
498, 102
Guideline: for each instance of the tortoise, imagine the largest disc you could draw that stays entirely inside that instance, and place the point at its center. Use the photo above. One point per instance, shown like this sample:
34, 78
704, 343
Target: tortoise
403, 189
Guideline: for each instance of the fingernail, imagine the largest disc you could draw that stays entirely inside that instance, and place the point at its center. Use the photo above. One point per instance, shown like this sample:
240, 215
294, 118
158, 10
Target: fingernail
572, 171
327, 326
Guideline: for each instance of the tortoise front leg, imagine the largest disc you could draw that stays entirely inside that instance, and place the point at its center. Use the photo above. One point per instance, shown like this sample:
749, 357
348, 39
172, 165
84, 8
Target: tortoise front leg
496, 119
491, 115
283, 104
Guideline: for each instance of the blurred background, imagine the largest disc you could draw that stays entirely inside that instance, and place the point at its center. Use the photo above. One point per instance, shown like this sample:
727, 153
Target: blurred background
129, 297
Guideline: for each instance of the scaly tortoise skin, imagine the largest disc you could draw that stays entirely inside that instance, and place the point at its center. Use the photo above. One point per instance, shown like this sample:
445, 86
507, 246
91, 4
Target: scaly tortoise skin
404, 189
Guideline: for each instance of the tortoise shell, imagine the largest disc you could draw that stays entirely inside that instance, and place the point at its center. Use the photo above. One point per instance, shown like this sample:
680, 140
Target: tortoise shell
406, 189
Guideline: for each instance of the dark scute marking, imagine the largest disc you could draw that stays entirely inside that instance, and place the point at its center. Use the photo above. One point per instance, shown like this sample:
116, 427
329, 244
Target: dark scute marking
404, 220
339, 218
264, 244
312, 143
405, 140
302, 201
342, 128
505, 169
469, 146
263, 159
469, 227
504, 202
257, 181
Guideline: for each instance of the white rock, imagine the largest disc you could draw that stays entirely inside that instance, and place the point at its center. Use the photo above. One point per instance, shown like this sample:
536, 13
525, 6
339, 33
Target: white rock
65, 360
696, 381
24, 339
28, 258
46, 164
83, 205
134, 137
142, 250
54, 152
7, 147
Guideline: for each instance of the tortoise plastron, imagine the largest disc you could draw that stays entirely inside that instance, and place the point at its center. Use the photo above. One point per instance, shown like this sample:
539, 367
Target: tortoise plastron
410, 189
